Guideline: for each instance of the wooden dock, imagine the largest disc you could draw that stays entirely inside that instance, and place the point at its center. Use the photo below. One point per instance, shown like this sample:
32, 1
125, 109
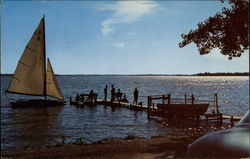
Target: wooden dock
232, 119
124, 104
154, 111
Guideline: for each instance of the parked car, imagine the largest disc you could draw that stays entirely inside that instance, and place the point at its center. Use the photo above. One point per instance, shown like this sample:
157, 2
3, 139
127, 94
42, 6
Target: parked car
229, 143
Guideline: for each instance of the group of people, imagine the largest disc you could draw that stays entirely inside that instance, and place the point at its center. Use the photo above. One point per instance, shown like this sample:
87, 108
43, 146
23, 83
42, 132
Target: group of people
91, 97
115, 96
118, 95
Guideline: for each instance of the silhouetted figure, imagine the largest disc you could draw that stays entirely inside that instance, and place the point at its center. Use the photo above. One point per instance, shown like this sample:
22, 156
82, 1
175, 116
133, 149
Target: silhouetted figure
136, 93
105, 93
192, 97
91, 95
77, 97
169, 98
124, 99
112, 93
119, 95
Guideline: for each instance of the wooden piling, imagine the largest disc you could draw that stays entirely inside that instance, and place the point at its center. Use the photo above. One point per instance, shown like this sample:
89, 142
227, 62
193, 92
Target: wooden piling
220, 120
163, 98
232, 121
216, 103
169, 98
149, 102
185, 98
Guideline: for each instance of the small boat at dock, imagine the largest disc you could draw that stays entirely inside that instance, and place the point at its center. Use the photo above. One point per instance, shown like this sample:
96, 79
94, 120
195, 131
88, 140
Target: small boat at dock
185, 110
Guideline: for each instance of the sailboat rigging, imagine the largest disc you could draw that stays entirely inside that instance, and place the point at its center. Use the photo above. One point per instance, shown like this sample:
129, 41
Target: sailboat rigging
31, 76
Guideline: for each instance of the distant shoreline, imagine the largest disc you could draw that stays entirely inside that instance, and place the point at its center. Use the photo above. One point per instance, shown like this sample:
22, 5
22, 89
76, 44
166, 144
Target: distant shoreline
198, 74
223, 74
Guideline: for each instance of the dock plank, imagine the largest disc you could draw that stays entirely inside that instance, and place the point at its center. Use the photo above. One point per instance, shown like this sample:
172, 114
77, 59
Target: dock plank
229, 117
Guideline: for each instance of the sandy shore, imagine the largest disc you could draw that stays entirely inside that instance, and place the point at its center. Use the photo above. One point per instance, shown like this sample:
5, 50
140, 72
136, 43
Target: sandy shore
155, 147
172, 145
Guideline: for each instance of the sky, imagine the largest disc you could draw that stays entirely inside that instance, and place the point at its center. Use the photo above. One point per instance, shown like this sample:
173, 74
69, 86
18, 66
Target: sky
114, 37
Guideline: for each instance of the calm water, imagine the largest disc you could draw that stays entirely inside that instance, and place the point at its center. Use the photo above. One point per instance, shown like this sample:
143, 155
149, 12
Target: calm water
43, 126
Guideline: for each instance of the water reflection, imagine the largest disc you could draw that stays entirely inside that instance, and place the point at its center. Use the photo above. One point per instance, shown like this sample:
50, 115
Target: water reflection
30, 126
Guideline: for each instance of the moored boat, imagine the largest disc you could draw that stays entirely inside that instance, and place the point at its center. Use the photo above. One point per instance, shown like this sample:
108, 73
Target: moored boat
183, 109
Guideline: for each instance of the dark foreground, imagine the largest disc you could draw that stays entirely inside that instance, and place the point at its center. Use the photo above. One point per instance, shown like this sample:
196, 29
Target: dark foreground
172, 145
131, 147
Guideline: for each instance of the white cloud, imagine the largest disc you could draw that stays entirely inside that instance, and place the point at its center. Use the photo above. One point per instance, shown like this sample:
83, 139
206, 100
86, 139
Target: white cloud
126, 12
120, 45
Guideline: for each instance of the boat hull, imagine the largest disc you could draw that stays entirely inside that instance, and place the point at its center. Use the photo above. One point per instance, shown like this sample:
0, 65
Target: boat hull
183, 109
36, 103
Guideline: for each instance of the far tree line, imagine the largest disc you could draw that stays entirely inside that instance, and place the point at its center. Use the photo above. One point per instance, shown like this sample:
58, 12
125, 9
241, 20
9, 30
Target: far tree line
223, 74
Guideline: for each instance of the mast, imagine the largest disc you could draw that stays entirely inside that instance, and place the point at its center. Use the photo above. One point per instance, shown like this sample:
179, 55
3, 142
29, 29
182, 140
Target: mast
44, 50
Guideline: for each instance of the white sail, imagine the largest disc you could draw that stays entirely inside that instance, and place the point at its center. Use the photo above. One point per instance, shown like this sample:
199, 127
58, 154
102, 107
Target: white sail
29, 77
52, 86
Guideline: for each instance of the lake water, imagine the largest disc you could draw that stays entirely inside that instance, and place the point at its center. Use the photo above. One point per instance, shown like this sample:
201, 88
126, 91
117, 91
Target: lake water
43, 126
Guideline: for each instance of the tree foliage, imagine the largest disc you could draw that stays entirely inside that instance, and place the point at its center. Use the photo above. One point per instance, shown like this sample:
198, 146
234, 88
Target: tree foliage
227, 30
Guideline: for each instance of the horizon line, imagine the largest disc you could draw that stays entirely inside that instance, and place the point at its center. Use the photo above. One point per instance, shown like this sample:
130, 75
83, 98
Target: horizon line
149, 74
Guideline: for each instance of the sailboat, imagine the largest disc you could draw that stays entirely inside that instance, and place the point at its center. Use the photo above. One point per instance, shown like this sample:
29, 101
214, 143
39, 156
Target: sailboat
31, 76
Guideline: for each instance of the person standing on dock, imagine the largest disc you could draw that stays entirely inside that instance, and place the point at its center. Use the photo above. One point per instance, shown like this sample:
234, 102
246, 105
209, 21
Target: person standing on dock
91, 95
192, 98
112, 93
136, 93
105, 93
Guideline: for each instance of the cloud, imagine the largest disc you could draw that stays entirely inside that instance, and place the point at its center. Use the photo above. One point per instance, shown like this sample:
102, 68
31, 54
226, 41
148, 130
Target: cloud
131, 33
120, 45
126, 12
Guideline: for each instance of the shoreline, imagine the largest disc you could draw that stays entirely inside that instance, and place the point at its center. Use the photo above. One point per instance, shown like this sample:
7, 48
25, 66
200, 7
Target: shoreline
172, 145
130, 147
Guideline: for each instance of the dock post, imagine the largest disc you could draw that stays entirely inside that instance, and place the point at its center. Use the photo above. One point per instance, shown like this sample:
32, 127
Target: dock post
163, 97
169, 98
232, 121
185, 98
192, 98
221, 119
70, 100
149, 102
216, 103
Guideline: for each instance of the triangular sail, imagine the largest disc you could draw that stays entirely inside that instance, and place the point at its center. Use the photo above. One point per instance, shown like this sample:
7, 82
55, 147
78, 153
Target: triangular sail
29, 77
52, 86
